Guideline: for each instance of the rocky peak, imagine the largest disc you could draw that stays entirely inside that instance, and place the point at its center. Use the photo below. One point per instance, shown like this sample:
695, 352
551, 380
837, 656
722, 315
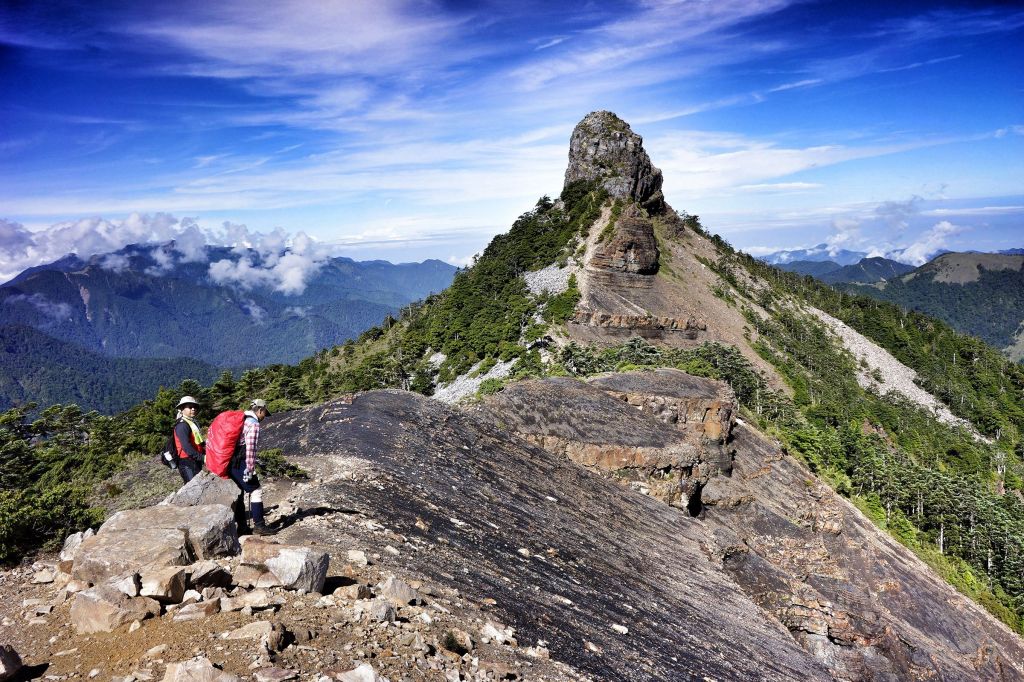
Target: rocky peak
604, 148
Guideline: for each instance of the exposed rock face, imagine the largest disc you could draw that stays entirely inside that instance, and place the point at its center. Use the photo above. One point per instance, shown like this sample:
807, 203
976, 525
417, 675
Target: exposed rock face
669, 448
703, 408
604, 148
561, 553
646, 326
632, 248
855, 600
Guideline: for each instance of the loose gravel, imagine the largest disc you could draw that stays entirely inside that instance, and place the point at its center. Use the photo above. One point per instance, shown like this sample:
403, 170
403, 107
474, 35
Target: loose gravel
896, 377
466, 385
552, 279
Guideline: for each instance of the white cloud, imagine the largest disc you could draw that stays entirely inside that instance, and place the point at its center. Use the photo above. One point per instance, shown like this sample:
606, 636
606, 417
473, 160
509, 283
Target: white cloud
15, 240
254, 311
282, 262
115, 262
164, 258
978, 211
928, 244
57, 311
297, 310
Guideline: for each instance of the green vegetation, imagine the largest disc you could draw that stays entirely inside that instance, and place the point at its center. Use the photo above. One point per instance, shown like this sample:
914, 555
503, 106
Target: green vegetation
990, 308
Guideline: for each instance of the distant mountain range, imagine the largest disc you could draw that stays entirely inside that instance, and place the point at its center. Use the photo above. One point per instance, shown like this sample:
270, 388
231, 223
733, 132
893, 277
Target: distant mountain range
866, 271
976, 293
142, 303
819, 253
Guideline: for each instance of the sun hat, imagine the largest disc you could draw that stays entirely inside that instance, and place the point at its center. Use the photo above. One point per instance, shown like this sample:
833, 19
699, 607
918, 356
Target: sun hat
187, 400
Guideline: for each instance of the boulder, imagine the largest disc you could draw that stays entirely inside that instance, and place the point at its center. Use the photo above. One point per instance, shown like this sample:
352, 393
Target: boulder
257, 599
398, 592
123, 552
204, 489
73, 542
295, 567
197, 670
166, 584
205, 574
197, 611
211, 528
10, 663
103, 608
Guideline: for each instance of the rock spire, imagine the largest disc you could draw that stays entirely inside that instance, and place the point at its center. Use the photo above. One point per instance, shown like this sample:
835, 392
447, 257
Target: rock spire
604, 148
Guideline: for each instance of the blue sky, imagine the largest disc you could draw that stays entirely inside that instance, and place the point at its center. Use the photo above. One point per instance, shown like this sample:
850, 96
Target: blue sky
411, 130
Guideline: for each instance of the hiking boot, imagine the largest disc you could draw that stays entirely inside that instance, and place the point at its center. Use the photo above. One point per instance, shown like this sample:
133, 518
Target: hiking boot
263, 530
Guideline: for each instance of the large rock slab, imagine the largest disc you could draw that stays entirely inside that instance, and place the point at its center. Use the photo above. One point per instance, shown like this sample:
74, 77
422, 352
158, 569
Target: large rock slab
104, 608
594, 553
117, 553
211, 528
205, 488
295, 567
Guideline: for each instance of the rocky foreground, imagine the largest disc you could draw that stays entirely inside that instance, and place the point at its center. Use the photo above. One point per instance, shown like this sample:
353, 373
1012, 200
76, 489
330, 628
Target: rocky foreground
627, 528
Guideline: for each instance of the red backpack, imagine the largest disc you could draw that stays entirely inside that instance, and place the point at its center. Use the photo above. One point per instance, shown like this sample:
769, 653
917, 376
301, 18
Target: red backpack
221, 440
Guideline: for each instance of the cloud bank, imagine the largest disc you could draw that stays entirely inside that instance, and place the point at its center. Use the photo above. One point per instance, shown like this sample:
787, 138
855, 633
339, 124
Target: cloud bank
275, 260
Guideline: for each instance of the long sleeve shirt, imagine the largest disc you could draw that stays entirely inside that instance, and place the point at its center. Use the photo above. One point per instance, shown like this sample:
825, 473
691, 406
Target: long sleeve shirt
250, 436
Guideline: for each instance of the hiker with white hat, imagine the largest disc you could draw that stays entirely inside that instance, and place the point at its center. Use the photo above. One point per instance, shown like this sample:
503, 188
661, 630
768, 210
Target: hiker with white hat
188, 439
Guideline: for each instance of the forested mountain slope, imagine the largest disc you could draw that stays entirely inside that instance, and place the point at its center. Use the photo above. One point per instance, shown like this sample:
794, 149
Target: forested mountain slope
980, 294
148, 301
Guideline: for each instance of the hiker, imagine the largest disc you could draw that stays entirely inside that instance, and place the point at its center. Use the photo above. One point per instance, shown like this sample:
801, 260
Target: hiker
243, 470
188, 439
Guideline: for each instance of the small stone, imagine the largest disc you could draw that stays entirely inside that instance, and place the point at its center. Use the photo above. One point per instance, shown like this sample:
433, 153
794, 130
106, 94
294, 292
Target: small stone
136, 624
524, 552
392, 551
357, 557
621, 629
379, 611
353, 592
43, 577
94, 672
155, 651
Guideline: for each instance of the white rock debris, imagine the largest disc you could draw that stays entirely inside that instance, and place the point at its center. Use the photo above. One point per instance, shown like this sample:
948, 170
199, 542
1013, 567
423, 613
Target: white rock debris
552, 279
895, 376
466, 385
